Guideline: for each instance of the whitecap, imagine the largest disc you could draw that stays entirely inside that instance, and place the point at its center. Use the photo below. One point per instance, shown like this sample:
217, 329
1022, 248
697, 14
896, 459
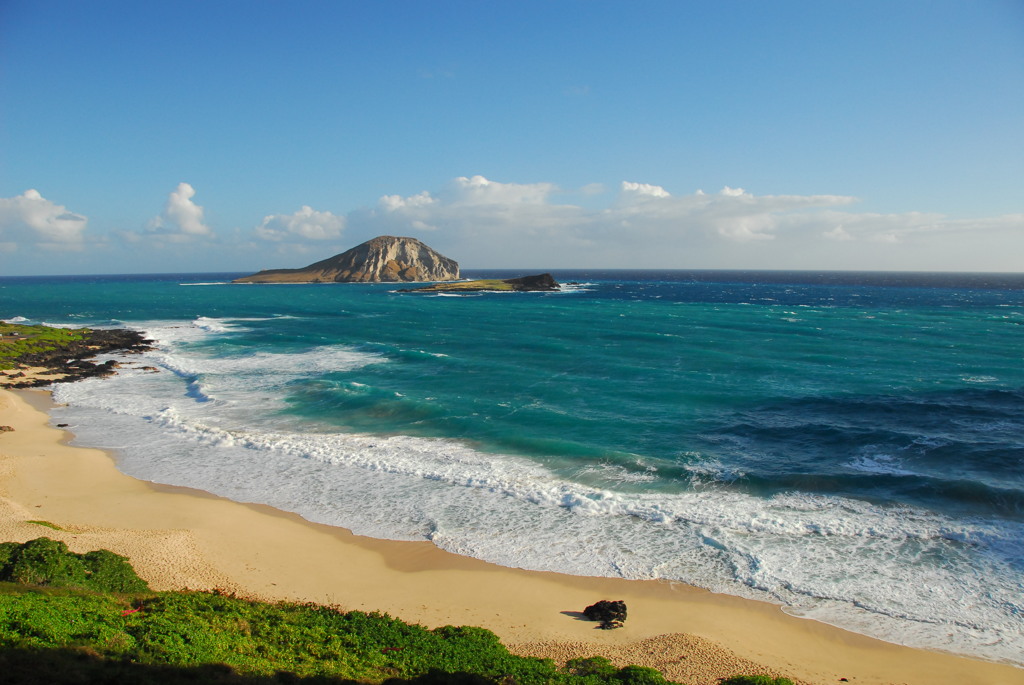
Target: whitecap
879, 463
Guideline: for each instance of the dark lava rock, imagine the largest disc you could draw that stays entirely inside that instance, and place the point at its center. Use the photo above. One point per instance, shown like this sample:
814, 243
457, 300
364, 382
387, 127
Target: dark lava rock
72, 358
611, 613
538, 282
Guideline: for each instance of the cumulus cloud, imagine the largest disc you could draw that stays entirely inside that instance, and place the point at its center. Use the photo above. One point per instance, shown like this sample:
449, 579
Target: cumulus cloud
397, 203
486, 223
307, 224
181, 219
516, 221
31, 219
478, 190
732, 213
643, 190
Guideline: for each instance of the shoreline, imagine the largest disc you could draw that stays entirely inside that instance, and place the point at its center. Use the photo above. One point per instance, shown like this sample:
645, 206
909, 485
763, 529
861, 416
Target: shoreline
182, 538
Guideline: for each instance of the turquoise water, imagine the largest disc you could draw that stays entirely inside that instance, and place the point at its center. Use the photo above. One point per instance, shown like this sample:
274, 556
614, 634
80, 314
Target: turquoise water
848, 445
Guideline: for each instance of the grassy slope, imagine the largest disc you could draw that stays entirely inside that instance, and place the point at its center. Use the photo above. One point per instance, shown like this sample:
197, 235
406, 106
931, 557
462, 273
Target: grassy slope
456, 286
78, 618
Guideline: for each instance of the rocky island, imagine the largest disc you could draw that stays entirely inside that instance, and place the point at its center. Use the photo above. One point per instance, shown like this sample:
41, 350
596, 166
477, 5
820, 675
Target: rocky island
540, 282
384, 259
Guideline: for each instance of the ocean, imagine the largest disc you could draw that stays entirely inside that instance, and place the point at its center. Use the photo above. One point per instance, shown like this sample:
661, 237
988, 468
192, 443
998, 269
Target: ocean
847, 445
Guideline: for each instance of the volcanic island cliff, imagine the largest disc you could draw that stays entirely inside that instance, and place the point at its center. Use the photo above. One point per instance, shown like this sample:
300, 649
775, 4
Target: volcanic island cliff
384, 259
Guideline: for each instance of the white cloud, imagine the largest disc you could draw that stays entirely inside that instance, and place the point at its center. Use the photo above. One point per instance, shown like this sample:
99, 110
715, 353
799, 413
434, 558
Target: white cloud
181, 219
643, 190
837, 233
307, 223
477, 190
31, 219
394, 203
485, 223
513, 222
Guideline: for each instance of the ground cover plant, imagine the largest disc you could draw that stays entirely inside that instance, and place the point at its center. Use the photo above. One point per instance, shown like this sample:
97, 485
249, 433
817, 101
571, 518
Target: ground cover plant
18, 341
68, 618
63, 353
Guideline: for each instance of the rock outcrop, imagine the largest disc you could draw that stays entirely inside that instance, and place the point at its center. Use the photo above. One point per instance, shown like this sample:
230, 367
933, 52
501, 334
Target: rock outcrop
540, 282
65, 362
384, 259
611, 613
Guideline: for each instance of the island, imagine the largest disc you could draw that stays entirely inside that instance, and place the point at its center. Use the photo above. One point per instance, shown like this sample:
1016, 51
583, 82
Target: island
384, 259
538, 283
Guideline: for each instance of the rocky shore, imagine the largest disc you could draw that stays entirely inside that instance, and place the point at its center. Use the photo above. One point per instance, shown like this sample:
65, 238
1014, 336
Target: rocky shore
36, 356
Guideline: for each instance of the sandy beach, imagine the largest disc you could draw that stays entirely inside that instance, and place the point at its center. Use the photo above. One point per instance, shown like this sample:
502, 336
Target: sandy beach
179, 538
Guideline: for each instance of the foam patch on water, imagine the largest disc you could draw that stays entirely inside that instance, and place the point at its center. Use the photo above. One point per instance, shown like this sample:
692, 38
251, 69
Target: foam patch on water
879, 463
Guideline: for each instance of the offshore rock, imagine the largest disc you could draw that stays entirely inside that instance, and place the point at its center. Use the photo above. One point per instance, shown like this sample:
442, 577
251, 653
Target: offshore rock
385, 259
540, 282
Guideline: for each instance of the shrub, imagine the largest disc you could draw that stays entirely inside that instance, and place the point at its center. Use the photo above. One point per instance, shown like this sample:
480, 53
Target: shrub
44, 562
592, 665
640, 675
49, 562
111, 572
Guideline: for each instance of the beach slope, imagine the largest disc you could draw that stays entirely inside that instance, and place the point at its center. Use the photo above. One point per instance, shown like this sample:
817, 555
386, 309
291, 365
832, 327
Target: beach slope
178, 538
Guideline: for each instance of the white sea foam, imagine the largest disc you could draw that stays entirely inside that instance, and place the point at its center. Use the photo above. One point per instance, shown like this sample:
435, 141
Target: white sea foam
879, 463
214, 423
212, 325
616, 474
570, 288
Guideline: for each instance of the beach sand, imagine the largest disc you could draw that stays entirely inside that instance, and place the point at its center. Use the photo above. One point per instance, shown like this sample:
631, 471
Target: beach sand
180, 538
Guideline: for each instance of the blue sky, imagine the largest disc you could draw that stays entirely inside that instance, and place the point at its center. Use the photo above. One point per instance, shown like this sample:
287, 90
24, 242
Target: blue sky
234, 136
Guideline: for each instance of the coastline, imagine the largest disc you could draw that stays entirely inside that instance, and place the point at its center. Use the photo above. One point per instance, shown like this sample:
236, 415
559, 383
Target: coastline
182, 538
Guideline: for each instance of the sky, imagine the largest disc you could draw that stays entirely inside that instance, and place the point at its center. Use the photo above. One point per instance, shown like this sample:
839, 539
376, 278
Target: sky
232, 136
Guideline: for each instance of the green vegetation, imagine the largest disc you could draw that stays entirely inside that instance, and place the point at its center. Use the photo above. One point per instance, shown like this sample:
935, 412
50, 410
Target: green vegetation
455, 286
17, 341
69, 618
46, 524
48, 562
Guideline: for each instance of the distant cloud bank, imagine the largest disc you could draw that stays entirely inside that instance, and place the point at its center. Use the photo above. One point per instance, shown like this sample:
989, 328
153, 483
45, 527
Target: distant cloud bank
484, 223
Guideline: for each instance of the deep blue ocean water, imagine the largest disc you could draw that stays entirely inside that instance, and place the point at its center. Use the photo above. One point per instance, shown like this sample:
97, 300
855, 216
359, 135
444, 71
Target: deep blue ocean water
849, 445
